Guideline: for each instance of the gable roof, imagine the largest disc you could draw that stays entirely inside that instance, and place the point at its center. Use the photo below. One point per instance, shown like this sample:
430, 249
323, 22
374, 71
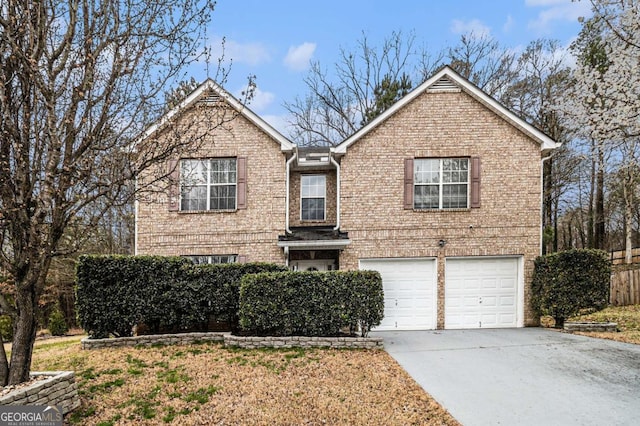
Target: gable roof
447, 80
201, 92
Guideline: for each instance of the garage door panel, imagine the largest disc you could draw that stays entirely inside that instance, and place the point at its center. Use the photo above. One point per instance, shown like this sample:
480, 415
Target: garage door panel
507, 301
489, 301
487, 288
489, 284
410, 292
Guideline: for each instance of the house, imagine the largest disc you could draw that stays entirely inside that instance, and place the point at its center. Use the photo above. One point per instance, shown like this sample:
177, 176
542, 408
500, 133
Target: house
441, 194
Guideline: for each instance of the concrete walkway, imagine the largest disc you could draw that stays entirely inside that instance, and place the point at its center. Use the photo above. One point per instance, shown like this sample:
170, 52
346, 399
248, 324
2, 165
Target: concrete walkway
529, 376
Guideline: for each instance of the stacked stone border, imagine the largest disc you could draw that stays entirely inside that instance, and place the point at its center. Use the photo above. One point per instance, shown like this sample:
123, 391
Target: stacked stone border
591, 326
247, 342
304, 342
59, 388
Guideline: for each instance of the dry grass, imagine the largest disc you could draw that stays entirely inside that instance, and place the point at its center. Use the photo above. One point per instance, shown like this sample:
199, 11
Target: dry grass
627, 318
208, 384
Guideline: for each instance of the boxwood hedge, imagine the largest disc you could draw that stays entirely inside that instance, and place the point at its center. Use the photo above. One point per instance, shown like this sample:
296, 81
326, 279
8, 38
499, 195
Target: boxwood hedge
571, 282
311, 303
114, 293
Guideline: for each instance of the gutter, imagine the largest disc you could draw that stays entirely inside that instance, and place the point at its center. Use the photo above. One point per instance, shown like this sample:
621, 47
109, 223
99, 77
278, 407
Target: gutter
335, 163
288, 172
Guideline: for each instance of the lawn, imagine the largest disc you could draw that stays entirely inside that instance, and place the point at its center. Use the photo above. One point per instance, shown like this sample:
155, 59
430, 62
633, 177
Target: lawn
627, 318
208, 384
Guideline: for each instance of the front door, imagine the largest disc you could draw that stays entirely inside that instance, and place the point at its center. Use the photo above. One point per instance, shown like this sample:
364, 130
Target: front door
314, 265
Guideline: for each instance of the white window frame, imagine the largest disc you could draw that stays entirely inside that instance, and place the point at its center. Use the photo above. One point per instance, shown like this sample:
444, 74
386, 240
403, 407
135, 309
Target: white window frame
315, 196
441, 184
209, 183
213, 259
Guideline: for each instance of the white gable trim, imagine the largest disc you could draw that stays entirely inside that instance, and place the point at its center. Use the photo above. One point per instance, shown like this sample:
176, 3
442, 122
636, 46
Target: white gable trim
285, 144
435, 84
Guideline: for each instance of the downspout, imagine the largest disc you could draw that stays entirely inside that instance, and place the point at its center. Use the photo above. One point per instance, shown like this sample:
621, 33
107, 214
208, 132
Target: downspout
288, 170
548, 157
335, 163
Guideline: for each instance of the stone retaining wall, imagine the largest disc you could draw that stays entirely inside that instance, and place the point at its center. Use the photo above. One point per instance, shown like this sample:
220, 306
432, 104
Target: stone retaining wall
591, 326
59, 388
152, 339
248, 342
304, 342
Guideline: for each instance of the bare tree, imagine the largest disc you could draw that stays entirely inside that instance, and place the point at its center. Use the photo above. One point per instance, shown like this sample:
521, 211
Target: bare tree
542, 76
78, 79
604, 104
482, 60
337, 103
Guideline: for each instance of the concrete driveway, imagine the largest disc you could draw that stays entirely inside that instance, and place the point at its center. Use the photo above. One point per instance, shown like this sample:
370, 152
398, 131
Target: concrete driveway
528, 376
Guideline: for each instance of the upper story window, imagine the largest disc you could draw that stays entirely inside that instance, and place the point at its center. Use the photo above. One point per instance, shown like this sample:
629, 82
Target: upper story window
208, 184
313, 191
441, 183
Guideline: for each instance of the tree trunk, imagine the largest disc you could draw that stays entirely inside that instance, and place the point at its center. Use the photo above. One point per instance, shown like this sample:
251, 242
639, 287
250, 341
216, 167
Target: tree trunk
628, 222
24, 333
592, 191
599, 231
4, 366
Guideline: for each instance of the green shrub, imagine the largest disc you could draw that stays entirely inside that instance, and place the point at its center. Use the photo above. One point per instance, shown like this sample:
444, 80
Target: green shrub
57, 325
311, 304
571, 282
114, 293
6, 328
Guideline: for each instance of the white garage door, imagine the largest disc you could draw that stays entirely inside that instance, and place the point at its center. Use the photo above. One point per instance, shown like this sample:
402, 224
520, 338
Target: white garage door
481, 292
409, 292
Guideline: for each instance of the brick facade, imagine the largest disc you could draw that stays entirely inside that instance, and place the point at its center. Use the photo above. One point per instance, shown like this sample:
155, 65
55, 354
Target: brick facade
250, 232
443, 125
330, 200
434, 124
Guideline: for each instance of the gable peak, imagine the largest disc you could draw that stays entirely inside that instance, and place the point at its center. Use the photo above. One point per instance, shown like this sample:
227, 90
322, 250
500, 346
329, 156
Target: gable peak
444, 84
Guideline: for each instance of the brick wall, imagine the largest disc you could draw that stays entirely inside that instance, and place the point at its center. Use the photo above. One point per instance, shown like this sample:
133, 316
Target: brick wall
442, 125
330, 201
251, 232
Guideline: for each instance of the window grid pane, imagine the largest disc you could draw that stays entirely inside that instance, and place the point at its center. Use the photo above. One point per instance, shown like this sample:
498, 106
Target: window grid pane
312, 197
441, 183
208, 184
213, 259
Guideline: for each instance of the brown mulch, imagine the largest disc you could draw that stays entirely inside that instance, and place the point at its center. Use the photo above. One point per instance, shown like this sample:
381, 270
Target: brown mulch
208, 384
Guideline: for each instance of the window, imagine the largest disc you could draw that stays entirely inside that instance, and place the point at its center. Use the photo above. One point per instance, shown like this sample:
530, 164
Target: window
441, 183
208, 184
313, 194
216, 258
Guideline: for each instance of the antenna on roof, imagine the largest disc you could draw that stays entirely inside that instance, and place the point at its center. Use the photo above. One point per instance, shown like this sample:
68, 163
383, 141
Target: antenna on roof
207, 50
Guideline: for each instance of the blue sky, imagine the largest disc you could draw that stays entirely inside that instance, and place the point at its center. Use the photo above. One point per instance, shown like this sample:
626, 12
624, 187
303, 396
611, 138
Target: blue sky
276, 40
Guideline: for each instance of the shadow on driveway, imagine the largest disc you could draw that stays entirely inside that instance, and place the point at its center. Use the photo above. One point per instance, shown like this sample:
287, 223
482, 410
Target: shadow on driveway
526, 376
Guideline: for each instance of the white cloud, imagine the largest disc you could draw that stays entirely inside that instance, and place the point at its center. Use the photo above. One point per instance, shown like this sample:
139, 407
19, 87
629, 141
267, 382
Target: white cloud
298, 57
252, 53
474, 26
557, 11
260, 101
278, 122
508, 24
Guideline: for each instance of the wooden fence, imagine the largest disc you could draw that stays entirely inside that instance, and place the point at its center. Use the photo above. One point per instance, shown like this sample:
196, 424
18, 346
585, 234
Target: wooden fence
625, 287
618, 257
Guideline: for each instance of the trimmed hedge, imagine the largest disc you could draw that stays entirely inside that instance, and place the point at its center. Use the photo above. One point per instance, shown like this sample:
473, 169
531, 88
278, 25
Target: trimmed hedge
311, 303
571, 282
114, 293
